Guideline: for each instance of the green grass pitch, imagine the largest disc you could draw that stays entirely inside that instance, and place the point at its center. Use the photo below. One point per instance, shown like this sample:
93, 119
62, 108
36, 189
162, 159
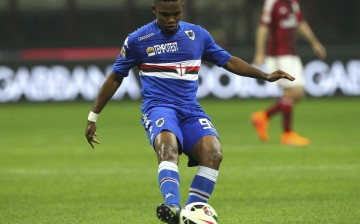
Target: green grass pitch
50, 175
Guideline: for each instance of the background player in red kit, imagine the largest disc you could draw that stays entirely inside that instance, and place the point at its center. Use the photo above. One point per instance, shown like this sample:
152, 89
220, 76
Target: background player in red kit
276, 48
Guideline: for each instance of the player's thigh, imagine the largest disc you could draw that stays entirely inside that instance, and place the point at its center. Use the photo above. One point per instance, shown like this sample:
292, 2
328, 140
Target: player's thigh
207, 151
195, 129
160, 119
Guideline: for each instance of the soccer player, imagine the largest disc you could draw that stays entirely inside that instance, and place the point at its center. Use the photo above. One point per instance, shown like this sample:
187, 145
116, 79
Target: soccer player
276, 48
168, 53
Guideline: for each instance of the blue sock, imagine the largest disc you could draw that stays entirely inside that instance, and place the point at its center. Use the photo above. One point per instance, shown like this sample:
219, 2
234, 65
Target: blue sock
169, 181
203, 185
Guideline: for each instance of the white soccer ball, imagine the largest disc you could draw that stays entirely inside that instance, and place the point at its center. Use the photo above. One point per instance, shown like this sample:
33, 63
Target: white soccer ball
198, 213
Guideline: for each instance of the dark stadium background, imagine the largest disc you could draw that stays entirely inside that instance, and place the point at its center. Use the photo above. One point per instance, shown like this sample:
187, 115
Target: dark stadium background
74, 33
104, 24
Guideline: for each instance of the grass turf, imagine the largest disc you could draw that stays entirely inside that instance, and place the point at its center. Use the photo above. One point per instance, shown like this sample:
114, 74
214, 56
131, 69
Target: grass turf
49, 174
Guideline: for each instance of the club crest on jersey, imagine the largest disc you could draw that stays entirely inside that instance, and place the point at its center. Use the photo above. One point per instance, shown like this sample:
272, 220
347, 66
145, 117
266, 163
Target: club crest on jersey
190, 34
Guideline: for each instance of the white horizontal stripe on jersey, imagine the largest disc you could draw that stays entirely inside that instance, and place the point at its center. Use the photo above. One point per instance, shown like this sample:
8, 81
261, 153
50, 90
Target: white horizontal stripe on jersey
181, 70
170, 75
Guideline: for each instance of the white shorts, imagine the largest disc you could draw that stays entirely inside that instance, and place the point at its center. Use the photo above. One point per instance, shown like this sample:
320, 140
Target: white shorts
288, 63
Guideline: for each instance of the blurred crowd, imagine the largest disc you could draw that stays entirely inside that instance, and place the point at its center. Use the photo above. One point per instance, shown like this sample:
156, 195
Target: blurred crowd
91, 23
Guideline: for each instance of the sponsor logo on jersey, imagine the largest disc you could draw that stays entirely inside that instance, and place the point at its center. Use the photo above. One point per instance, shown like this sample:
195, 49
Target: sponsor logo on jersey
162, 48
146, 36
190, 34
150, 51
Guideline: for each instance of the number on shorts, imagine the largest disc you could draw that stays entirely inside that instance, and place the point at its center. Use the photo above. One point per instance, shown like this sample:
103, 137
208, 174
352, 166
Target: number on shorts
205, 123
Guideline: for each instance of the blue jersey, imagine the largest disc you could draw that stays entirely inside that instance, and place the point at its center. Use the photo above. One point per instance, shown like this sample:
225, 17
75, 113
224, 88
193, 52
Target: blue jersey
169, 64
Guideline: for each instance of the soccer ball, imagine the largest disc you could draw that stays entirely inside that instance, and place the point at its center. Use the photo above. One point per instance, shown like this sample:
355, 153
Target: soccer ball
198, 213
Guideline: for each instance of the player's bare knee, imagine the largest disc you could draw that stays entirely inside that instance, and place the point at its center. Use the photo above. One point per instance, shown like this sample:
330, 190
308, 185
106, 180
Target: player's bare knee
167, 152
212, 158
217, 157
166, 147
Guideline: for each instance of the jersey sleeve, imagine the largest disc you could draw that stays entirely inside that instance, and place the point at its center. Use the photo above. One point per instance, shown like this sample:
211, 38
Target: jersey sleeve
127, 59
212, 51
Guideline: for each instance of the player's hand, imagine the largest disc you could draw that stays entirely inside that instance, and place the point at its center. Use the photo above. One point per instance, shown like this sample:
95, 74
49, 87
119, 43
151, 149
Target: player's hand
279, 74
90, 132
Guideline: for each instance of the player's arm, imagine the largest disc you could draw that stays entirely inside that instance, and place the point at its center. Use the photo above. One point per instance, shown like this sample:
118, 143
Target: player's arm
242, 68
108, 89
305, 30
261, 36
